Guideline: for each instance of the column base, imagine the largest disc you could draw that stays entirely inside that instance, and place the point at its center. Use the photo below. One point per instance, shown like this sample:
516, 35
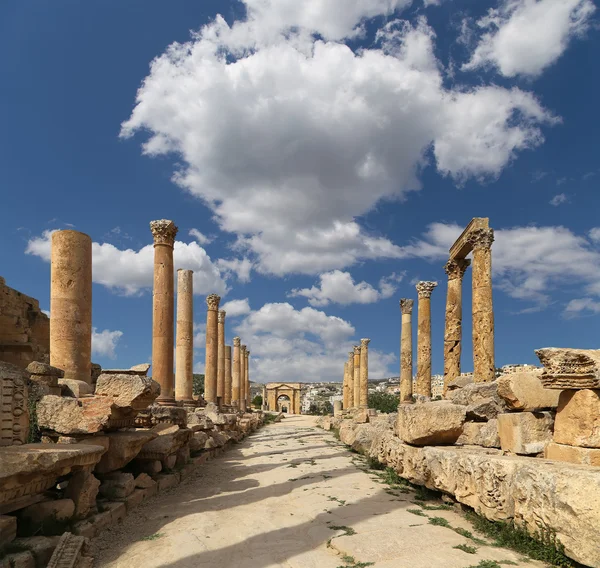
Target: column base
166, 401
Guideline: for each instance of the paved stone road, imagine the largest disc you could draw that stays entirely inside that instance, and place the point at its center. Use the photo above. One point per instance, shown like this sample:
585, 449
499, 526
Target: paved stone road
274, 500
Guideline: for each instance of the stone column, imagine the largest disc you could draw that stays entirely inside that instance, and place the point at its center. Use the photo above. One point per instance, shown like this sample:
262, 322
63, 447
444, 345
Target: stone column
356, 375
212, 348
423, 386
455, 269
345, 386
484, 368
163, 309
350, 365
248, 391
235, 373
243, 378
364, 373
71, 304
221, 356
265, 406
227, 396
184, 342
406, 356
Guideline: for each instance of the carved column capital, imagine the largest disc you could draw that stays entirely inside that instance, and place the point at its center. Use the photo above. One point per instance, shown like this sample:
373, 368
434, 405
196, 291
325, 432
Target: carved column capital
221, 316
425, 288
237, 341
481, 238
247, 354
164, 232
243, 347
356, 350
406, 305
212, 301
456, 268
364, 343
350, 354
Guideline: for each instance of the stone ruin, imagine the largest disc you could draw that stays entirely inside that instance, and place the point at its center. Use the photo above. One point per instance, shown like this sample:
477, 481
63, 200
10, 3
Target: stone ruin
522, 447
81, 446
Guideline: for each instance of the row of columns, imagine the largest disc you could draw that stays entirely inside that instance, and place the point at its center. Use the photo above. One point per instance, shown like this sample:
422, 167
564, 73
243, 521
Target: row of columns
355, 386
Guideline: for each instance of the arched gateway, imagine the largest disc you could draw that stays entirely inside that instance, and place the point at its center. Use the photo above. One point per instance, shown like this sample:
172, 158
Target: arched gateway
283, 397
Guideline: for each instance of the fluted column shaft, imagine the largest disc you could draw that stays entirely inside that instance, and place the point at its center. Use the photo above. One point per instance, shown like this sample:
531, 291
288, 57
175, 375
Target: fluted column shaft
406, 356
71, 304
243, 378
350, 365
221, 356
184, 342
345, 386
235, 373
227, 395
247, 373
364, 373
356, 374
212, 348
163, 309
423, 386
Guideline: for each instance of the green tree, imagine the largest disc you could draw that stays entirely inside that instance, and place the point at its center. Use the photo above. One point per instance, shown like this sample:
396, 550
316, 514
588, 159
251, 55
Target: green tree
257, 401
384, 402
198, 384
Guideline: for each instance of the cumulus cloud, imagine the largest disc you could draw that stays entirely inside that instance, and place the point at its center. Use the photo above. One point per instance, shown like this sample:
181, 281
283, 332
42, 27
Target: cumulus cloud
524, 37
594, 234
241, 267
105, 342
290, 138
129, 271
559, 199
201, 238
581, 306
199, 335
236, 308
339, 287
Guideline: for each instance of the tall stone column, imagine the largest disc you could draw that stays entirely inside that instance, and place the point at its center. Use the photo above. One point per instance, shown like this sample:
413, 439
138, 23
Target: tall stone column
265, 405
484, 368
212, 348
350, 365
221, 356
248, 391
406, 356
455, 269
163, 308
364, 373
71, 304
345, 386
424, 290
227, 396
356, 375
184, 341
243, 378
235, 373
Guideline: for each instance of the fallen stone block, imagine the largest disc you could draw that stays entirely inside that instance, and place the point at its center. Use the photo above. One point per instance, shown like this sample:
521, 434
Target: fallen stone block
13, 404
141, 368
477, 393
570, 368
117, 509
198, 421
430, 423
75, 388
41, 547
69, 552
169, 440
525, 433
82, 490
483, 434
156, 414
128, 391
18, 560
572, 454
151, 467
123, 447
578, 418
198, 441
524, 391
143, 481
134, 499
483, 410
167, 481
117, 485
48, 516
8, 530
96, 440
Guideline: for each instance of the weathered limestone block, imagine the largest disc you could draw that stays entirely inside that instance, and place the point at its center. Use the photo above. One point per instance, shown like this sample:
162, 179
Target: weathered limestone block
8, 530
439, 422
123, 447
151, 467
41, 547
570, 368
169, 440
484, 410
474, 393
158, 414
117, 485
480, 434
572, 454
525, 432
524, 391
45, 370
31, 469
70, 552
459, 382
128, 391
198, 441
45, 515
144, 481
97, 440
142, 368
96, 371
578, 418
75, 388
198, 421
82, 490
14, 414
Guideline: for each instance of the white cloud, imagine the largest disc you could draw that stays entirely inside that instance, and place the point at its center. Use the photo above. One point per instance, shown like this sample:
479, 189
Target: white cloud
201, 238
339, 287
241, 267
581, 305
105, 342
594, 234
524, 37
200, 335
236, 308
559, 199
289, 139
129, 271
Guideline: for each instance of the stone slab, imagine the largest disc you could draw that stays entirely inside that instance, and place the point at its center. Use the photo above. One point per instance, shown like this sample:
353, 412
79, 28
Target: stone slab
525, 433
8, 529
524, 391
578, 418
570, 368
572, 454
430, 422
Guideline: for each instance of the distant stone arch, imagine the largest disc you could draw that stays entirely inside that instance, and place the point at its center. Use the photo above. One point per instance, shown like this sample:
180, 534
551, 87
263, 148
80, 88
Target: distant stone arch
280, 395
284, 404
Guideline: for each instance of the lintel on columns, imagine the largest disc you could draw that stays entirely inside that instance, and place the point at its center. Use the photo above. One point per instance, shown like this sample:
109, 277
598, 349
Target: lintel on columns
462, 247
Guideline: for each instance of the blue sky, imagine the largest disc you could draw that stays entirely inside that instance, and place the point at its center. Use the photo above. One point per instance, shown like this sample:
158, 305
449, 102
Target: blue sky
318, 157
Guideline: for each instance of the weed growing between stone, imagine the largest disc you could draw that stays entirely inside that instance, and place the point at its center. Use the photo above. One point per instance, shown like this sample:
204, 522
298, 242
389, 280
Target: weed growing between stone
340, 501
350, 562
417, 512
466, 548
348, 531
440, 507
439, 522
152, 536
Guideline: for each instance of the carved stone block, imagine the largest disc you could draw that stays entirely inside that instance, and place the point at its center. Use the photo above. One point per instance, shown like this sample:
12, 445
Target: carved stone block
14, 414
570, 368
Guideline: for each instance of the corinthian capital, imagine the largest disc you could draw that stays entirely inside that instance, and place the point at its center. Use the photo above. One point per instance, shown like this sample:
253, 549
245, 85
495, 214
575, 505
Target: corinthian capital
425, 288
212, 301
164, 232
243, 348
350, 355
237, 341
406, 305
364, 343
221, 316
356, 350
456, 268
247, 354
481, 238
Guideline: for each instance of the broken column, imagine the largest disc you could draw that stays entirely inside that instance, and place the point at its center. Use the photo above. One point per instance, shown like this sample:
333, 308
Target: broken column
423, 386
364, 373
184, 350
350, 365
455, 269
71, 304
356, 375
164, 233
483, 313
221, 356
235, 373
227, 395
211, 354
243, 378
406, 306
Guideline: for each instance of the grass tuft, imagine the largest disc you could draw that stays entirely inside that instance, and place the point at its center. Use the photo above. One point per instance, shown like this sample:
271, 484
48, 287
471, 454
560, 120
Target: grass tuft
466, 548
439, 522
417, 512
152, 536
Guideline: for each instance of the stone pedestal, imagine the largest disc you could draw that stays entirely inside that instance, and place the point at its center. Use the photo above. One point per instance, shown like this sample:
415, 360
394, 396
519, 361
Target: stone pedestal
356, 373
350, 366
455, 269
212, 349
71, 304
423, 386
164, 233
184, 344
235, 373
227, 395
364, 373
337, 408
406, 365
243, 378
484, 368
